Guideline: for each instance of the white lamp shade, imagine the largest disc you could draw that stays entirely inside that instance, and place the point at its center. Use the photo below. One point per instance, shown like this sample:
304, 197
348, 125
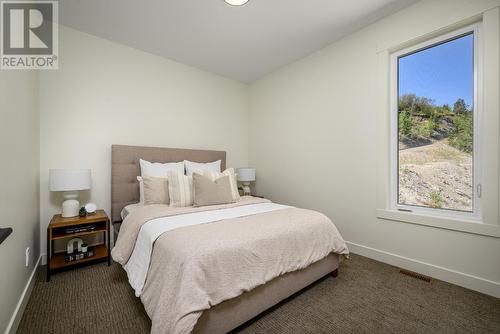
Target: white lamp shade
246, 174
69, 179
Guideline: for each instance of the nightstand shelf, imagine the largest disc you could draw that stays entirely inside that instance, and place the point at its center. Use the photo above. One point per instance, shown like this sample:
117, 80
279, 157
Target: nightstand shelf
74, 227
57, 261
56, 236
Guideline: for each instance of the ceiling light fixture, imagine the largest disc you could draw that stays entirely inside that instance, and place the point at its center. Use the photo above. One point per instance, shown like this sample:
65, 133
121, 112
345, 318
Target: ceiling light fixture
236, 2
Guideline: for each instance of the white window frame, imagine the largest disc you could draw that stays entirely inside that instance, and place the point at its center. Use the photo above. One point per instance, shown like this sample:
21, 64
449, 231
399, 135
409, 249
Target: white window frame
475, 215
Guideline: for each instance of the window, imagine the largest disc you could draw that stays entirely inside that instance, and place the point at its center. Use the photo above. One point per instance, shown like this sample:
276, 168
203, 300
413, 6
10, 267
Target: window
435, 151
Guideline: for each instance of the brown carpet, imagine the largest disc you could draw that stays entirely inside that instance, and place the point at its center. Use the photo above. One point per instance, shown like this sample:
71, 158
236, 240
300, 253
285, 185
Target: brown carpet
367, 297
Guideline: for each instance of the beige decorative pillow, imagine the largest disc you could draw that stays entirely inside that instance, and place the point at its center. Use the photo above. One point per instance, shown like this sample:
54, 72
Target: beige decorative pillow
232, 180
155, 190
180, 188
208, 192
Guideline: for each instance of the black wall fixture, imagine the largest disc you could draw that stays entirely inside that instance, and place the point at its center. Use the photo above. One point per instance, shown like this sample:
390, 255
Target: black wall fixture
4, 233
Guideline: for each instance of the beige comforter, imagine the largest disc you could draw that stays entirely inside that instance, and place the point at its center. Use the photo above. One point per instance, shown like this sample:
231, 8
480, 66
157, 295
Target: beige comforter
194, 268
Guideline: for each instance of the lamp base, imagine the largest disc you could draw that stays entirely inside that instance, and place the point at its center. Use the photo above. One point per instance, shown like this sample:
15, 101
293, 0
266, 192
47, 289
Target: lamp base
246, 188
70, 206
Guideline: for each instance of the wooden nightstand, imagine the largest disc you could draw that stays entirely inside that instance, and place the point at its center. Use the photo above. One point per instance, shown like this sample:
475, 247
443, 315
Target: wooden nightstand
91, 225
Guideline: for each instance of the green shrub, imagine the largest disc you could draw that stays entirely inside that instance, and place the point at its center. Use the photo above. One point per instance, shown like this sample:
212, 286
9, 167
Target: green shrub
461, 133
422, 129
436, 200
405, 123
460, 107
429, 127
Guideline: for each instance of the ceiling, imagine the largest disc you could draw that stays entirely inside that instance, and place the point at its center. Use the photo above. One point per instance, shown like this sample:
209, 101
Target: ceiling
242, 43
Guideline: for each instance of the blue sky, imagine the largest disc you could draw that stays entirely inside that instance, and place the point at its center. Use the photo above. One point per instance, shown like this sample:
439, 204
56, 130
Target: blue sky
443, 73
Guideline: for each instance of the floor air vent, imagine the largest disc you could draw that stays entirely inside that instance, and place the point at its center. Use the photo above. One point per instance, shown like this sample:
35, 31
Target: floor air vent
415, 275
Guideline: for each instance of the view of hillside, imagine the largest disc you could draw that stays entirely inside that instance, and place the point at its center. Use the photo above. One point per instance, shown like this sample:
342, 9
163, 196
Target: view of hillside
435, 153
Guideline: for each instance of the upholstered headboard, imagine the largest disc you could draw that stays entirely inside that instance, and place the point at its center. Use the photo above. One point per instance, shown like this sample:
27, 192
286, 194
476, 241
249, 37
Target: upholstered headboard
125, 168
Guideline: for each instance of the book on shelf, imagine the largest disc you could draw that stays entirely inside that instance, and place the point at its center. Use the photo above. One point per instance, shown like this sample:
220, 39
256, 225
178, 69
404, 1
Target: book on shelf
75, 256
78, 229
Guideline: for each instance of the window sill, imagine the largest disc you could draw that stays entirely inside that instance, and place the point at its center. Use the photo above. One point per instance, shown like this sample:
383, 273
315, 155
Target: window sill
462, 225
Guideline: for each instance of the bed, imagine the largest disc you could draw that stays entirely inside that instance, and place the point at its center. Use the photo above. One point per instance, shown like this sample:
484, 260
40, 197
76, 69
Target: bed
221, 314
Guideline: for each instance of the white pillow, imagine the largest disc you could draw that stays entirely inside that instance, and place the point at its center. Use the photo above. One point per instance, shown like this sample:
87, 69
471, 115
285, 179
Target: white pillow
232, 180
157, 169
180, 188
201, 167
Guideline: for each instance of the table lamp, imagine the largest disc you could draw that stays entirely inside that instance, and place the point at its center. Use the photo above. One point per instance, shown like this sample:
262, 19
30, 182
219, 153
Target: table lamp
70, 181
245, 176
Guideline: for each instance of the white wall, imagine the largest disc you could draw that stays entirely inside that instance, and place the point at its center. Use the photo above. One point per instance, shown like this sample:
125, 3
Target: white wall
19, 195
105, 93
313, 140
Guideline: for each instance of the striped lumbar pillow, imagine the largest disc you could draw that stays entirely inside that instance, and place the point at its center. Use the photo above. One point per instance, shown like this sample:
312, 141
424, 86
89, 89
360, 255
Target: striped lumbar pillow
180, 188
232, 180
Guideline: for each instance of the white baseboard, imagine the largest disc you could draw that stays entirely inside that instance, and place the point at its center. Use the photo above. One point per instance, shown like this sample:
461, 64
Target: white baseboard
23, 300
43, 256
482, 285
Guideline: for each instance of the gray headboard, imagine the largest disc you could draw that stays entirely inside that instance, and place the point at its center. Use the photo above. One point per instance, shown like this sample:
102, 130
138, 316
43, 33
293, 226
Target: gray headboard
125, 168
